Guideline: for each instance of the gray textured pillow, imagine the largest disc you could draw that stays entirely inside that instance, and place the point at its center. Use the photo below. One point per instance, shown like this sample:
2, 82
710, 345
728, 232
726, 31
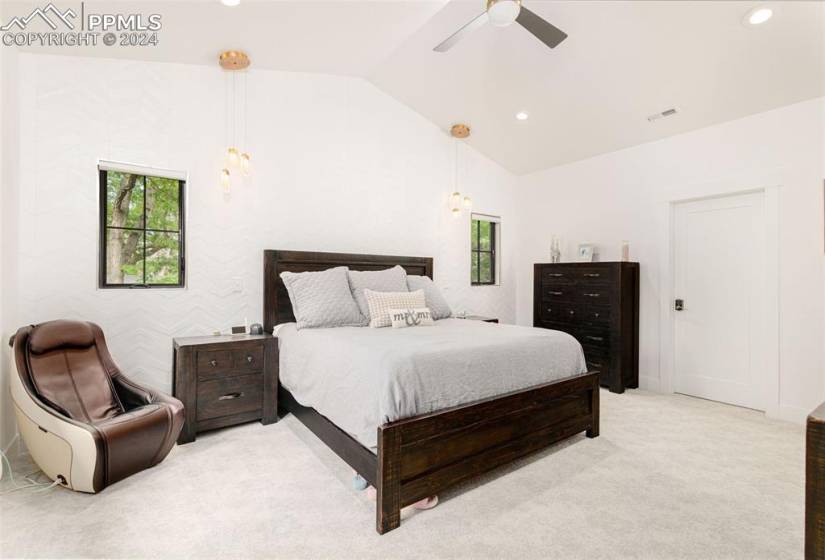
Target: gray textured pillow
322, 299
439, 307
389, 280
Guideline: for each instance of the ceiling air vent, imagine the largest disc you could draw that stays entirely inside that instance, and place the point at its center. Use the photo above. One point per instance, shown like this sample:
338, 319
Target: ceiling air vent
666, 113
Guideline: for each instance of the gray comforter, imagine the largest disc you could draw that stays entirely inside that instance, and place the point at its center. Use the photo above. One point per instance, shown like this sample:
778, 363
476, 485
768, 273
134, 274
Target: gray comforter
360, 377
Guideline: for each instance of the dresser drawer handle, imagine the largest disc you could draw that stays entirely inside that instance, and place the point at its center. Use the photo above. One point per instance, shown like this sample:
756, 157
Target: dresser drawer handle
596, 338
556, 275
593, 275
213, 363
597, 315
230, 396
249, 359
597, 364
549, 309
556, 293
572, 312
593, 294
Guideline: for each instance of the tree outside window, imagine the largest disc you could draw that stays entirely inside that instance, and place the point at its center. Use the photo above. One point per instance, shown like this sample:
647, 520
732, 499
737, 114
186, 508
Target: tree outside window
142, 242
482, 252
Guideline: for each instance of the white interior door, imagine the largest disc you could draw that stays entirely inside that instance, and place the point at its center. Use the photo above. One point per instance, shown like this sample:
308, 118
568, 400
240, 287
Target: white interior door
719, 251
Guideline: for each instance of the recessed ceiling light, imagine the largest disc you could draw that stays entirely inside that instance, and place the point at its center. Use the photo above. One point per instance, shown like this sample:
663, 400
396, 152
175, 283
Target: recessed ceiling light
230, 2
522, 116
759, 14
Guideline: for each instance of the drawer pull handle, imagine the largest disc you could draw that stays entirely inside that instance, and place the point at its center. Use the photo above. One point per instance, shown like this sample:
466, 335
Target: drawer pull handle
549, 309
597, 364
556, 293
557, 275
596, 338
230, 396
594, 294
249, 359
213, 363
593, 275
596, 314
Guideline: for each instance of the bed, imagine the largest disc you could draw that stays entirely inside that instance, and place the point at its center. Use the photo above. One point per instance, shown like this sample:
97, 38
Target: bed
405, 445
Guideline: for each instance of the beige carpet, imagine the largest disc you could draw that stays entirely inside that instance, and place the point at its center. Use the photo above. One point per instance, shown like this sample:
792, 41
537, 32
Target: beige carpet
670, 477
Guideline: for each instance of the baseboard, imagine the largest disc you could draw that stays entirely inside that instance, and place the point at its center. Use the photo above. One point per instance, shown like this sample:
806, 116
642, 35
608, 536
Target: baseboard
793, 414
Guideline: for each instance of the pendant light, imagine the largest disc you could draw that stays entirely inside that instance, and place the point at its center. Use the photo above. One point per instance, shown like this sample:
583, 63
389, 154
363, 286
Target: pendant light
458, 132
237, 160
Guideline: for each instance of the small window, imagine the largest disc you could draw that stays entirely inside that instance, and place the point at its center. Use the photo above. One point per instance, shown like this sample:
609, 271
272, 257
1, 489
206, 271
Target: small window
141, 230
483, 243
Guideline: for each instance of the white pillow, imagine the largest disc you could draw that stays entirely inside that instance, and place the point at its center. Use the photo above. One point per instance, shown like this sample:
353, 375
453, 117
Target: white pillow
435, 300
388, 280
322, 299
380, 304
403, 318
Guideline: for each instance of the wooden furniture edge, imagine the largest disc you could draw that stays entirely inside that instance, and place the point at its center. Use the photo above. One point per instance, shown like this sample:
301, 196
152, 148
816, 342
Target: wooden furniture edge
815, 485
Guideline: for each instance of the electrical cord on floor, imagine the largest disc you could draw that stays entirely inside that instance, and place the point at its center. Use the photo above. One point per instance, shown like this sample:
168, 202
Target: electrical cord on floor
31, 482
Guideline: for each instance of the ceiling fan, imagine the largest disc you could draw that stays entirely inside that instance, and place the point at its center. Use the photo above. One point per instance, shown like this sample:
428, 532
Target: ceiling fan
502, 13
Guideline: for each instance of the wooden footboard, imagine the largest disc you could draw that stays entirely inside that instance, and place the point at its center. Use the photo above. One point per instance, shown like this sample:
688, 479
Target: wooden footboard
421, 456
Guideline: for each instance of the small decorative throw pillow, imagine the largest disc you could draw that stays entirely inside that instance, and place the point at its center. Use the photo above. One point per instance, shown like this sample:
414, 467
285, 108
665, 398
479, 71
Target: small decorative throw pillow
435, 300
322, 299
403, 318
388, 280
380, 304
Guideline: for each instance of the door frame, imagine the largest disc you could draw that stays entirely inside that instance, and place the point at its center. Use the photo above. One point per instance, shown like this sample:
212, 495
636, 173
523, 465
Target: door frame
767, 183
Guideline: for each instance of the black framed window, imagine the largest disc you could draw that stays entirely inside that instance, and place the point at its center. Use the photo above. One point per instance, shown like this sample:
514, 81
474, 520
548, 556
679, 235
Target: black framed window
482, 252
141, 230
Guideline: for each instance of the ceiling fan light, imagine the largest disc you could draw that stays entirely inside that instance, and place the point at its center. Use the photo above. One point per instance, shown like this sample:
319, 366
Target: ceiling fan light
230, 2
503, 12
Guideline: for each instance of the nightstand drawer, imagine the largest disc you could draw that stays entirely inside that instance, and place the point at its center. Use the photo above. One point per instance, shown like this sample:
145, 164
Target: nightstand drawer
230, 395
217, 363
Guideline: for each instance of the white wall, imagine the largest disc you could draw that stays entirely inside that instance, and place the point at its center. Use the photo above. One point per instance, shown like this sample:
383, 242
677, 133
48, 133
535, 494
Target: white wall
8, 232
624, 195
338, 166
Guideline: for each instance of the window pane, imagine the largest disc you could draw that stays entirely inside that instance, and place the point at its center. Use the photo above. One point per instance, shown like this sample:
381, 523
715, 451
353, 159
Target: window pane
484, 235
474, 235
162, 204
473, 267
124, 199
124, 256
485, 272
162, 262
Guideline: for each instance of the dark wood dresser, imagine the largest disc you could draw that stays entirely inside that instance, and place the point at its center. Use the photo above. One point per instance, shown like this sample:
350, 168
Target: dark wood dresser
225, 380
598, 303
815, 486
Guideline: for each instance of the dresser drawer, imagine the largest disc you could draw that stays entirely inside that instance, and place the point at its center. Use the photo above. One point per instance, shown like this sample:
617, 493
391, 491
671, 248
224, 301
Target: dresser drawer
557, 312
230, 395
556, 276
558, 293
595, 315
593, 274
218, 363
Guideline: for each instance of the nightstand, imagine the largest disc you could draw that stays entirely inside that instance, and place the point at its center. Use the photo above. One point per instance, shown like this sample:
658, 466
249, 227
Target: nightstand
225, 380
479, 318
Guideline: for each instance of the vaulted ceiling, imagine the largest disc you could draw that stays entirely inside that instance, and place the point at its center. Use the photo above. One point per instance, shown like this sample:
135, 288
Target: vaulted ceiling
621, 62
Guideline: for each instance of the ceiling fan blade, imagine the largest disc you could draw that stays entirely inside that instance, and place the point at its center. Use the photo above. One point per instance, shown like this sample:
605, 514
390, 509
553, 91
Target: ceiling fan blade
544, 31
461, 33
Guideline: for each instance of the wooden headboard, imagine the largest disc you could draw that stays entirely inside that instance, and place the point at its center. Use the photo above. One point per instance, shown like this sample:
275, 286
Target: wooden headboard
278, 308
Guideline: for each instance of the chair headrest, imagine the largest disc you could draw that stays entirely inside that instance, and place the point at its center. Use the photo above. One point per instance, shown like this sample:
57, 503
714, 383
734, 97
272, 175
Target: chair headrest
55, 335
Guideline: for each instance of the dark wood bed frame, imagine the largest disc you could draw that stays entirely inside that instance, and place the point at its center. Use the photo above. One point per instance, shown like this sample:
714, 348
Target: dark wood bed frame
423, 455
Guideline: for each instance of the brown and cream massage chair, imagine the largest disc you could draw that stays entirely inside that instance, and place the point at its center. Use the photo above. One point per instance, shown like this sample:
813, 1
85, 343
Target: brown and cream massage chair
85, 424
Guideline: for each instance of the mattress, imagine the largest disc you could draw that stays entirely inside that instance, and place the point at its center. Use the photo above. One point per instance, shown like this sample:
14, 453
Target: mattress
360, 377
